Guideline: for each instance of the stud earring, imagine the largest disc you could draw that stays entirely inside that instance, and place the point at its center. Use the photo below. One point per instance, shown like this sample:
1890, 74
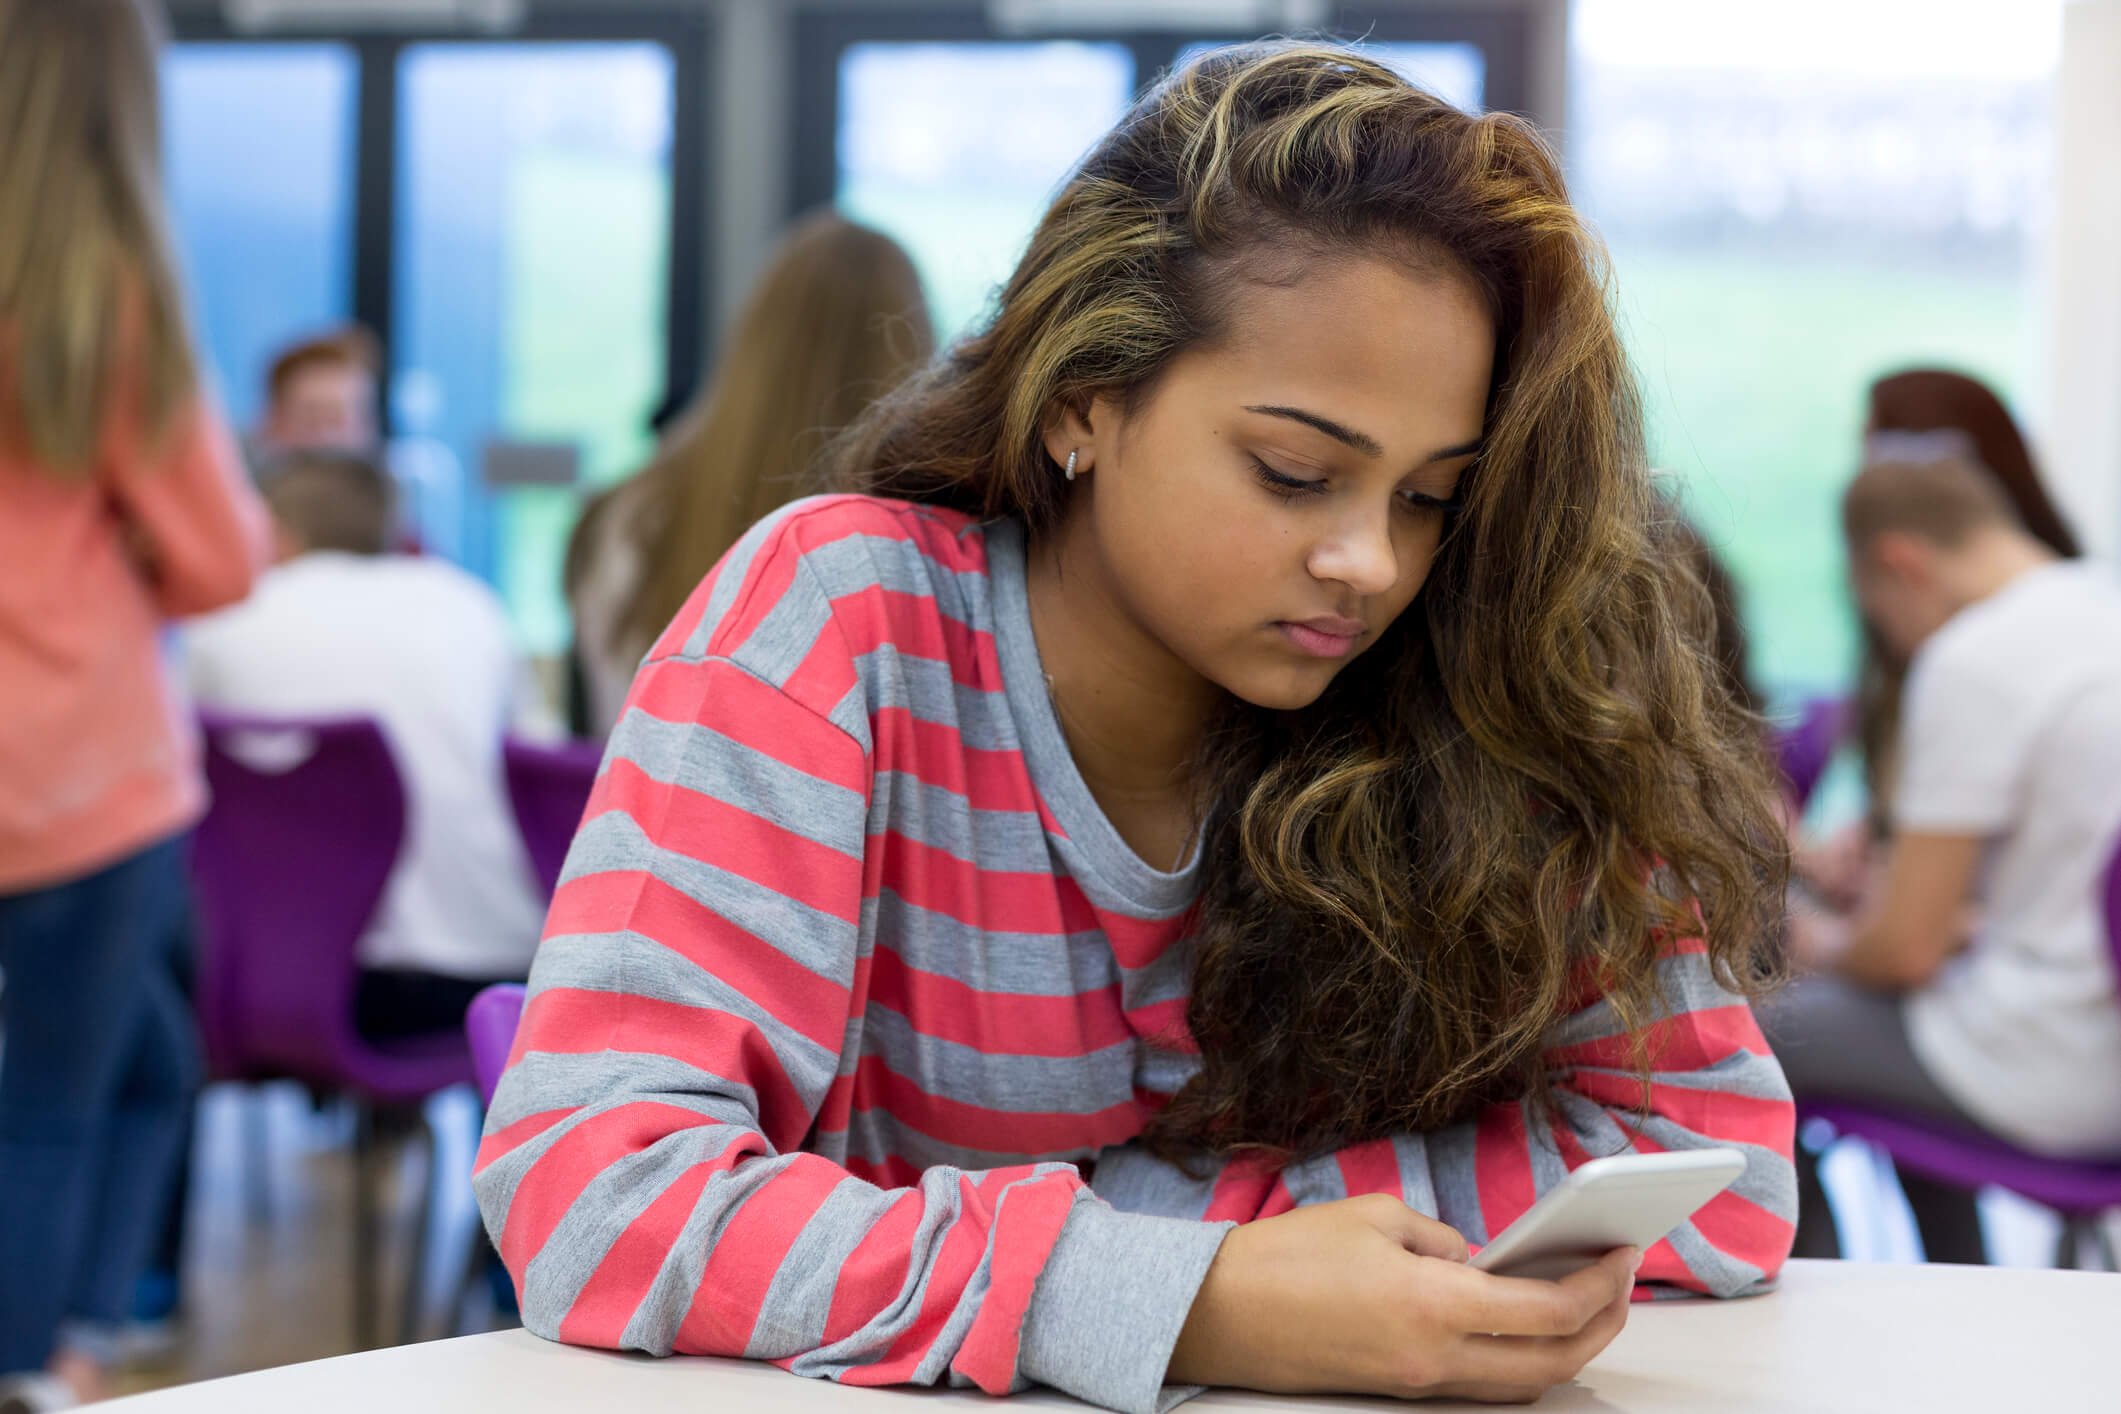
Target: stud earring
1070, 471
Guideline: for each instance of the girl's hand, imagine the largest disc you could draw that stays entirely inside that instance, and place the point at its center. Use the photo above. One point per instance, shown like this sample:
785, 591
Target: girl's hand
1816, 936
1366, 1296
1839, 869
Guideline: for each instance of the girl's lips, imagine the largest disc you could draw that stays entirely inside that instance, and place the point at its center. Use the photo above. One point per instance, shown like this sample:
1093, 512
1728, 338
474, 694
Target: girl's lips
1323, 638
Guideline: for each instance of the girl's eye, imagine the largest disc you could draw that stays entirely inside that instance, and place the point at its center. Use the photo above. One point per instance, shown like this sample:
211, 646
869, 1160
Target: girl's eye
1290, 488
1432, 505
1287, 487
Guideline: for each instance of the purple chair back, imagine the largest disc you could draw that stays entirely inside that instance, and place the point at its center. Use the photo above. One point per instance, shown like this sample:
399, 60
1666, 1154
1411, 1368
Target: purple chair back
288, 867
490, 1026
549, 786
1804, 751
289, 864
2112, 884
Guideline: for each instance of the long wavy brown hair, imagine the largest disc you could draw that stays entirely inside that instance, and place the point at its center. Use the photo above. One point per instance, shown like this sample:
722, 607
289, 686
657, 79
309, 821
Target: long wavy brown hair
88, 272
1926, 400
836, 320
1523, 792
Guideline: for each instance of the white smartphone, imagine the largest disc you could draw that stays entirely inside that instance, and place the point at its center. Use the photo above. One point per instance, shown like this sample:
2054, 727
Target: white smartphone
1629, 1200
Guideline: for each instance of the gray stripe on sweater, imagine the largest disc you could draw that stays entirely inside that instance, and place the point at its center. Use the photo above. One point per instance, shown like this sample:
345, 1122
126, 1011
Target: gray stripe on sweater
928, 691
495, 1185
1417, 1185
872, 1136
735, 569
1079, 1084
1000, 841
609, 1204
799, 1302
656, 972
550, 1080
989, 959
822, 942
700, 759
1452, 1154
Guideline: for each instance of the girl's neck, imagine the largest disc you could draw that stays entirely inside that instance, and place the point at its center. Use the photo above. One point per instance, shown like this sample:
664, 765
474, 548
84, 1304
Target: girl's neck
1132, 713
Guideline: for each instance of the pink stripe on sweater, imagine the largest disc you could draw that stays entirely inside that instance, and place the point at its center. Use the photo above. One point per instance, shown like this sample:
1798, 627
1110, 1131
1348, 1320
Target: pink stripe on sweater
622, 1280
557, 1179
998, 1023
806, 1003
756, 716
748, 1254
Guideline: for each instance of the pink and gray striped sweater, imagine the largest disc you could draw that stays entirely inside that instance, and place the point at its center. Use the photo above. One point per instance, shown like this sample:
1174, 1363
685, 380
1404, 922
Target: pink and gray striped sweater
847, 972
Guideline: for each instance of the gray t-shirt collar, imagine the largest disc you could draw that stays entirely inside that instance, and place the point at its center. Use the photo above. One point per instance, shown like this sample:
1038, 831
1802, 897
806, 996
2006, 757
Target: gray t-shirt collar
1113, 868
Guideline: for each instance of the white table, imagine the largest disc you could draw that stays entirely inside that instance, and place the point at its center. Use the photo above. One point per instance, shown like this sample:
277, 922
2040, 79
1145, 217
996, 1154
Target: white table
1836, 1337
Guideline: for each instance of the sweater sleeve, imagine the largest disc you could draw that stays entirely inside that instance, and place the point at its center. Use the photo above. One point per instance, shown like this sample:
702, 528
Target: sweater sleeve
207, 536
1714, 1082
642, 1170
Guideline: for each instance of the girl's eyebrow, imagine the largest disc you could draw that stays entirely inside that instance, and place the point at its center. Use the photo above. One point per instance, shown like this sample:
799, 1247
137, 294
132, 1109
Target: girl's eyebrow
1360, 441
1463, 449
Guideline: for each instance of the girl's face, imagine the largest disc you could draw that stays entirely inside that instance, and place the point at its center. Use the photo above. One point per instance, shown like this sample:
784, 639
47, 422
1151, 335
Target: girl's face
1274, 502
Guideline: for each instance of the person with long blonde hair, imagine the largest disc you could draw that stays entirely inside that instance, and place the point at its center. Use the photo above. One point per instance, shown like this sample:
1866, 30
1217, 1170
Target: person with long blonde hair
123, 503
1235, 805
836, 321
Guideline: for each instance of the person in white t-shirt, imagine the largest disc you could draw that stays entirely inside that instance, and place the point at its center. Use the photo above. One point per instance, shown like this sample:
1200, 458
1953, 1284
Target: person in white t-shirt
1976, 984
340, 628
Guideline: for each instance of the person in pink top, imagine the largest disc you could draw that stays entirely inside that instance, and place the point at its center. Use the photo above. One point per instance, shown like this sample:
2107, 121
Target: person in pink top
123, 505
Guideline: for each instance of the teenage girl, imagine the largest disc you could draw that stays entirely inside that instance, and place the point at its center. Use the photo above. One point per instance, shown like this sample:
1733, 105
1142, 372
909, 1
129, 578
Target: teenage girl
1235, 811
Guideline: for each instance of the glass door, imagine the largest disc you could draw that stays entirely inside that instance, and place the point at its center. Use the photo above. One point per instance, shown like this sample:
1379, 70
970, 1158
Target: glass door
532, 253
954, 148
258, 154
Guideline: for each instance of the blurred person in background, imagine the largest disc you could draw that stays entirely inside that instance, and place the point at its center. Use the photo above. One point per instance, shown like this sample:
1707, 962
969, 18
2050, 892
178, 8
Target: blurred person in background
123, 504
836, 321
342, 627
1935, 400
1973, 984
321, 393
1906, 410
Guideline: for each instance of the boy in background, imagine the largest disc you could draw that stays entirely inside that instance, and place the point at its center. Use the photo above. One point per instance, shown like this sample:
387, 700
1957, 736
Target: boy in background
342, 627
321, 394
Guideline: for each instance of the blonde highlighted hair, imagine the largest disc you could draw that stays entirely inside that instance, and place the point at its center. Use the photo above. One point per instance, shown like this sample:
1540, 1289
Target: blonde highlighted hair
87, 271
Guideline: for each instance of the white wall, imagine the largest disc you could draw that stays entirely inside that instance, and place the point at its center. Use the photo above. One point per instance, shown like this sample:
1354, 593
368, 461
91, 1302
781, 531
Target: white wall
747, 190
2081, 429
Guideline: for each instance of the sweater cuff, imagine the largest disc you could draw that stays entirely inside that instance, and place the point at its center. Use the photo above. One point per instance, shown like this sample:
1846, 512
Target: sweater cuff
1107, 1310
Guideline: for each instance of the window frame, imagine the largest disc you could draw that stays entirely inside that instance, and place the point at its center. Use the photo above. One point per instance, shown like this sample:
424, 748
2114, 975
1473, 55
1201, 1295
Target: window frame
1504, 36
683, 31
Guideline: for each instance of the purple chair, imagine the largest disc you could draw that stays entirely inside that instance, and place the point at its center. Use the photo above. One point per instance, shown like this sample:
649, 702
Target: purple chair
1804, 750
490, 1026
2077, 1189
288, 868
548, 786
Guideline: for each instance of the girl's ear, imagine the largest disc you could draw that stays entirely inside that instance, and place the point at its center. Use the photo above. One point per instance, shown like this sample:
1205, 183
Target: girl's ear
1907, 556
1069, 429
